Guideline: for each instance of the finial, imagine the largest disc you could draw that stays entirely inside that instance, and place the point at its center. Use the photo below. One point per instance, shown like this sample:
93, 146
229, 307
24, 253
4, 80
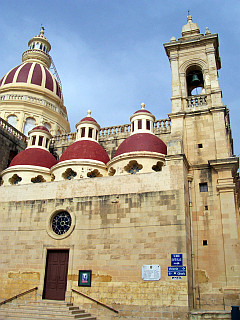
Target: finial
89, 113
142, 105
42, 30
189, 17
207, 31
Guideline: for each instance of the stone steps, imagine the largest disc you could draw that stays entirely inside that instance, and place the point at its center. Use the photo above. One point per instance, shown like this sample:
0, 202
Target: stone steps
44, 309
210, 315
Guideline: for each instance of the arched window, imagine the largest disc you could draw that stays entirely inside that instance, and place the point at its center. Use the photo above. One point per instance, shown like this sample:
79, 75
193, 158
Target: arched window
29, 125
90, 132
83, 132
195, 83
12, 120
47, 125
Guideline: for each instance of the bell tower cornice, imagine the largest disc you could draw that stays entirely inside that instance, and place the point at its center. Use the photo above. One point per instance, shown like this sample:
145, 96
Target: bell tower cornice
172, 48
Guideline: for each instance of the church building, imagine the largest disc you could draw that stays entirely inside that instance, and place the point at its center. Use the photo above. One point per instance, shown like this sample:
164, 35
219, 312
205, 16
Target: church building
136, 221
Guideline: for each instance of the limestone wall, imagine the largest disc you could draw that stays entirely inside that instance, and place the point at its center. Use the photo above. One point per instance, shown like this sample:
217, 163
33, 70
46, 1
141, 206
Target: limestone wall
122, 223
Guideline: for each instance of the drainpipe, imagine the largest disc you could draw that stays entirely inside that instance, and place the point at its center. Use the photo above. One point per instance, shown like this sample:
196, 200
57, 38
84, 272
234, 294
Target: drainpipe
190, 178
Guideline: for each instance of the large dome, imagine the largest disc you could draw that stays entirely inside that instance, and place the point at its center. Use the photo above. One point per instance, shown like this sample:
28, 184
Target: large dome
85, 149
141, 142
34, 157
31, 74
30, 94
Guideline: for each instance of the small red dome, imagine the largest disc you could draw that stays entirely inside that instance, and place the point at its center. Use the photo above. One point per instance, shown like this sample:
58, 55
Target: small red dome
88, 119
40, 128
85, 149
34, 74
34, 157
142, 110
142, 142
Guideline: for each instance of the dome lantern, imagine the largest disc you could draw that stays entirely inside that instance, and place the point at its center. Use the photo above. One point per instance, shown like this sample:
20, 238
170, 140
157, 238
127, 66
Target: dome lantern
87, 128
85, 158
39, 137
38, 50
142, 121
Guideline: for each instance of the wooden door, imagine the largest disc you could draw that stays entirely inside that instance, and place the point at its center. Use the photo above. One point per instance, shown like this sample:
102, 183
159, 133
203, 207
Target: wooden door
55, 282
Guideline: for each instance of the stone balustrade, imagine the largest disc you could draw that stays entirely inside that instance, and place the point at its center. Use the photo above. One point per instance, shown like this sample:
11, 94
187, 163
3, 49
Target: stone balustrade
122, 131
114, 130
162, 126
34, 100
196, 101
10, 129
65, 138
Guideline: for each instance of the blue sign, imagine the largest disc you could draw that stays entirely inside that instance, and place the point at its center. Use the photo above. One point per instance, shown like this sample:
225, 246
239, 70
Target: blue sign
177, 271
176, 259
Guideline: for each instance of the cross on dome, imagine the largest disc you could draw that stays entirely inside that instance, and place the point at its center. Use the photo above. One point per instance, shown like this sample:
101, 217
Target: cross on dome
42, 31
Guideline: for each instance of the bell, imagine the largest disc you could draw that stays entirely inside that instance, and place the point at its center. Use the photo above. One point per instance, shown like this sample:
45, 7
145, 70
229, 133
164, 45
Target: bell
195, 80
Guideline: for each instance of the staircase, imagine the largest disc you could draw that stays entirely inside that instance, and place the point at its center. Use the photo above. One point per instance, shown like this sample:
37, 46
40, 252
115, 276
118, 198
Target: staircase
44, 309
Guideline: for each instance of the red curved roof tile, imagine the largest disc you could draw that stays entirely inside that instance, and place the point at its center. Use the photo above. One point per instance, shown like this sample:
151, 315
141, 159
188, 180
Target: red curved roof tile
142, 142
34, 157
40, 128
88, 119
23, 73
85, 149
37, 75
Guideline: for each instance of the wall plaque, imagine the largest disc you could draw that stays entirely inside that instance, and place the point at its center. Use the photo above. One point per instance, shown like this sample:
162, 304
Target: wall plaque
151, 272
84, 278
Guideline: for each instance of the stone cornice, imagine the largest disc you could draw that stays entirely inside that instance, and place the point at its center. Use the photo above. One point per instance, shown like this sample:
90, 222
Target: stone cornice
225, 164
200, 39
180, 156
193, 42
199, 110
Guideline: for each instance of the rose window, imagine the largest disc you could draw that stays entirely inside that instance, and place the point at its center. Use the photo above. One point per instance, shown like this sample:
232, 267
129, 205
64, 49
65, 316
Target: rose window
61, 222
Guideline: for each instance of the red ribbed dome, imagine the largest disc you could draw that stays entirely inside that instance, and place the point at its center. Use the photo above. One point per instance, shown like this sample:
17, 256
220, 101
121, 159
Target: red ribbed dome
142, 110
142, 142
40, 128
34, 157
32, 73
85, 149
88, 119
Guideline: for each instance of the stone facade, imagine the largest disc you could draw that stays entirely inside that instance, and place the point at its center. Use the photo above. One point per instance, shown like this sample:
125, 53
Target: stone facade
123, 222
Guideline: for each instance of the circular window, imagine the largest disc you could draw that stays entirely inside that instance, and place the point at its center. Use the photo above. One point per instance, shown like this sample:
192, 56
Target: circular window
61, 223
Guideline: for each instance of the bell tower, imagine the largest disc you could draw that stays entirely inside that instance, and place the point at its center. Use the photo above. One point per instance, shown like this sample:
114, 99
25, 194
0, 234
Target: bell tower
195, 63
198, 116
200, 129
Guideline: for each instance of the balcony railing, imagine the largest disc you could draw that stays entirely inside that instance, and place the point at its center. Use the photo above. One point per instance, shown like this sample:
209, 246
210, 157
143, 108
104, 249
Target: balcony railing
34, 100
13, 131
196, 101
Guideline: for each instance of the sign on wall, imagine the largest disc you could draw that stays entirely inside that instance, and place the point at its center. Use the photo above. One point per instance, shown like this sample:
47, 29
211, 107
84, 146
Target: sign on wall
84, 278
151, 272
177, 271
176, 259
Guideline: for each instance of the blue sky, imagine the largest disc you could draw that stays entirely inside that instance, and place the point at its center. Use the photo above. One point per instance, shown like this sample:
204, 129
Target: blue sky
109, 53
